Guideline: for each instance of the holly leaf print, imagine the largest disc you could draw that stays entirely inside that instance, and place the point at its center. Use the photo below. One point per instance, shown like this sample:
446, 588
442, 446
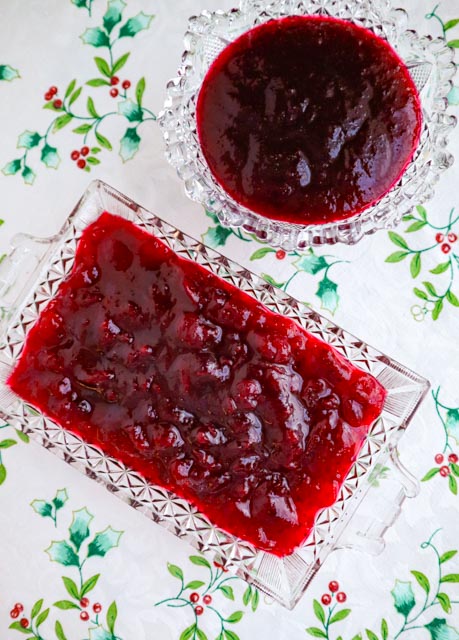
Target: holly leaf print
216, 236
79, 528
43, 508
8, 73
96, 37
50, 157
403, 595
63, 553
311, 263
132, 27
100, 634
113, 14
129, 144
130, 110
12, 167
440, 630
60, 498
452, 423
327, 291
28, 140
28, 175
103, 542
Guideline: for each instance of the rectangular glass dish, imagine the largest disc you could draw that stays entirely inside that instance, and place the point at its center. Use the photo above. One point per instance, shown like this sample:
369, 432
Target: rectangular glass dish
29, 278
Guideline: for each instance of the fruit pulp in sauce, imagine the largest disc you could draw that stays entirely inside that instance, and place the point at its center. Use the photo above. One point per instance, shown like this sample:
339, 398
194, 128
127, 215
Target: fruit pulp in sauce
197, 386
308, 119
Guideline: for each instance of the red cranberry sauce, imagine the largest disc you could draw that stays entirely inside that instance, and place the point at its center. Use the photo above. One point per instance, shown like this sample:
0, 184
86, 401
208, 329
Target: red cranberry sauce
197, 386
308, 119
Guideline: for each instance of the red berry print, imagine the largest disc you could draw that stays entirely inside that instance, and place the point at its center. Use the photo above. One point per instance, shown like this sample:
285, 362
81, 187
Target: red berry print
126, 84
199, 610
341, 597
81, 163
19, 607
114, 80
84, 615
14, 613
333, 586
24, 623
97, 608
75, 155
452, 237
439, 458
57, 104
326, 599
52, 90
114, 92
48, 96
207, 599
84, 602
439, 237
280, 254
444, 471
451, 458
445, 248
84, 151
194, 597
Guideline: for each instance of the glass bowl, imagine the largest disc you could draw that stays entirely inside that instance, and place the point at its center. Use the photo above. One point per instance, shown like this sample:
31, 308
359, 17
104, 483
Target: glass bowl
430, 62
29, 278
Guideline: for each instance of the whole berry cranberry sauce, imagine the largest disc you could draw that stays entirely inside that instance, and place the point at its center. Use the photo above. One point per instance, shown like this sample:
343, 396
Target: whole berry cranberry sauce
197, 386
308, 119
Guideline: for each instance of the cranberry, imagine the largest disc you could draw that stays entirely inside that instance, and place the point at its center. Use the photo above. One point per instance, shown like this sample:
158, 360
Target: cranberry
81, 163
84, 615
445, 248
114, 92
14, 613
452, 237
19, 607
52, 90
444, 471
326, 599
48, 96
439, 237
280, 254
84, 151
57, 104
333, 586
439, 458
84, 602
194, 597
199, 610
24, 623
126, 84
75, 155
451, 458
97, 608
114, 80
341, 597
207, 599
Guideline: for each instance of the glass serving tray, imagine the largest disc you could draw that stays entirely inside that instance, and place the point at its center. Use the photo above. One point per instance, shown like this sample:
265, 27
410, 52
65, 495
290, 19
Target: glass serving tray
29, 278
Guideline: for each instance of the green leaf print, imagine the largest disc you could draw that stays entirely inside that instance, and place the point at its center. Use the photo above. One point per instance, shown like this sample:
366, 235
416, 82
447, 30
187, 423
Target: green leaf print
452, 423
175, 571
403, 596
129, 144
113, 14
95, 37
139, 91
310, 263
445, 602
89, 584
216, 236
327, 291
8, 73
12, 167
28, 140
28, 175
63, 553
60, 635
422, 580
112, 614
132, 27
315, 632
440, 630
103, 542
71, 588
200, 561
42, 507
60, 498
79, 528
50, 157
65, 605
130, 110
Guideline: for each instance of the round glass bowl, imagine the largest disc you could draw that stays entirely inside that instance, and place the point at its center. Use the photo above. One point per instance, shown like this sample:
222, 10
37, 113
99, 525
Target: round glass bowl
430, 62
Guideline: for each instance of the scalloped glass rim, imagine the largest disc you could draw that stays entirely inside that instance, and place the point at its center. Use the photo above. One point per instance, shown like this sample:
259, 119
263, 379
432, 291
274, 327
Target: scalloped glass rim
29, 278
429, 61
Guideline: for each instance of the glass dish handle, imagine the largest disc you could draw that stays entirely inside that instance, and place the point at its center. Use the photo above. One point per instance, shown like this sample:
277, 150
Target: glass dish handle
20, 268
390, 485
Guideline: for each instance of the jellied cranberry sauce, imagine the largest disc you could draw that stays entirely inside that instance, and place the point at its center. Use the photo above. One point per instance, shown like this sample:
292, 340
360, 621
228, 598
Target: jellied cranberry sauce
197, 386
308, 119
